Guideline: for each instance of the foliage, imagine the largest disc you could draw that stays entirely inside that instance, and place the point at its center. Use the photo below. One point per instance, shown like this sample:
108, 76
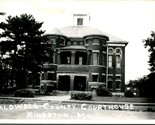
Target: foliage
81, 95
145, 85
24, 93
128, 93
150, 43
24, 46
101, 91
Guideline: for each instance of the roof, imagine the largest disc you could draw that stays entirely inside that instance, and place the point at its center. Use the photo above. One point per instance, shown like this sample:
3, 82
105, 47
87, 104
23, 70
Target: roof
55, 31
81, 31
74, 47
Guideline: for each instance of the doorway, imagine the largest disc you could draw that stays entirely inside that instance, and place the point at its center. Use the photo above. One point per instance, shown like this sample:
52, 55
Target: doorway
80, 83
64, 83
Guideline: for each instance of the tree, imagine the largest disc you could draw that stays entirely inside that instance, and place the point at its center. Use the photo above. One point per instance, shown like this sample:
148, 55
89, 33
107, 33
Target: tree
150, 43
24, 45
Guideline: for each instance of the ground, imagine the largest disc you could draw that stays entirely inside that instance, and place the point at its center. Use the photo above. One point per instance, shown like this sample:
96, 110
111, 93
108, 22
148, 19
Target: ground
54, 108
51, 111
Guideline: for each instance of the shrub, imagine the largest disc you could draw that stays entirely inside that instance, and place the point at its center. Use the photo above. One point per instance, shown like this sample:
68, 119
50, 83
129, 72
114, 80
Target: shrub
81, 95
24, 93
101, 91
128, 93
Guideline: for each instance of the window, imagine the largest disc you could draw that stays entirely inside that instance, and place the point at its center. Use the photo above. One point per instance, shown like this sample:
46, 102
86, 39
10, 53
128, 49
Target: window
95, 41
118, 77
118, 61
81, 43
68, 42
109, 85
75, 42
79, 21
104, 78
104, 59
109, 61
118, 83
118, 51
94, 78
95, 58
110, 51
52, 41
43, 76
110, 80
50, 76
62, 42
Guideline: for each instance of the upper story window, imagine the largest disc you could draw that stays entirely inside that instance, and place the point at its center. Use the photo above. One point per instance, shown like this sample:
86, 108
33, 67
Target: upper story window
95, 77
110, 61
96, 42
118, 51
79, 21
110, 51
75, 43
104, 59
69, 43
95, 58
43, 76
118, 61
51, 41
81, 43
62, 42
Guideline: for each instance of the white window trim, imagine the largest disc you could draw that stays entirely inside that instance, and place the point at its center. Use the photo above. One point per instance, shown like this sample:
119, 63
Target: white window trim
95, 73
104, 52
110, 74
95, 51
112, 50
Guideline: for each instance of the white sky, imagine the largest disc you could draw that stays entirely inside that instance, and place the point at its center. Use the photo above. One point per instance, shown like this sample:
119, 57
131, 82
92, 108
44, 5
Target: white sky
131, 21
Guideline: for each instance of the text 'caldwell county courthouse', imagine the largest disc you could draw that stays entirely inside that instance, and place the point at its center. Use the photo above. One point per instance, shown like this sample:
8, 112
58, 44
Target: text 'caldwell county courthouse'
83, 58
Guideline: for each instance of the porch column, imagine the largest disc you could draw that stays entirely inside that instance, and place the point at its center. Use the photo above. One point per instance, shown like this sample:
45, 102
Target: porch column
87, 80
72, 82
72, 57
54, 56
58, 59
57, 82
88, 58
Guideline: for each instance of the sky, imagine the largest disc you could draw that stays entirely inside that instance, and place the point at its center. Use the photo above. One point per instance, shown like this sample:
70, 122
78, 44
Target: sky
131, 21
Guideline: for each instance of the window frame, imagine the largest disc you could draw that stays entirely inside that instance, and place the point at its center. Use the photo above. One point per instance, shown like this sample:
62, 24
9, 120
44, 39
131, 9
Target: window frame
79, 21
95, 74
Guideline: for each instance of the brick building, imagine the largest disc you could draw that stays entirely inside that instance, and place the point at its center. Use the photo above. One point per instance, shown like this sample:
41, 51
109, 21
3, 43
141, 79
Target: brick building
83, 57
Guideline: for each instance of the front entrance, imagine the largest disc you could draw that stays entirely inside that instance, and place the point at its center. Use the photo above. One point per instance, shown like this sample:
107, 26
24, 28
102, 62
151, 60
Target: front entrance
80, 83
64, 83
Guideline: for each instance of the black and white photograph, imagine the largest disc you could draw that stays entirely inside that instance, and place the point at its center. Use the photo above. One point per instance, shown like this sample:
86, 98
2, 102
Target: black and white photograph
77, 61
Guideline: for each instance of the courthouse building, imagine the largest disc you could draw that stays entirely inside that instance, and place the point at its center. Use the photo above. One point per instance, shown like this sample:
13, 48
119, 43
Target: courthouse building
83, 57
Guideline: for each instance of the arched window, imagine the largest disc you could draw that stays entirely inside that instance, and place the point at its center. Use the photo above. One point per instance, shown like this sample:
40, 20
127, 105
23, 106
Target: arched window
118, 52
110, 51
110, 57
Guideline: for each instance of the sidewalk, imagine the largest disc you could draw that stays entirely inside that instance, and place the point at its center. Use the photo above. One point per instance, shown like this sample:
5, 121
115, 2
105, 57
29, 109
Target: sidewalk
65, 100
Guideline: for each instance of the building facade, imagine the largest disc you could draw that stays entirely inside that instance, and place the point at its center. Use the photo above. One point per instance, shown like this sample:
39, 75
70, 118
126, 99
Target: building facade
82, 58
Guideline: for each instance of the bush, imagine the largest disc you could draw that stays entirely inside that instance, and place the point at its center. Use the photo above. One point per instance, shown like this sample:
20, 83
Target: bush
128, 93
101, 91
81, 95
24, 93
